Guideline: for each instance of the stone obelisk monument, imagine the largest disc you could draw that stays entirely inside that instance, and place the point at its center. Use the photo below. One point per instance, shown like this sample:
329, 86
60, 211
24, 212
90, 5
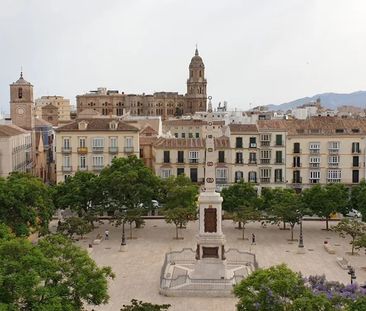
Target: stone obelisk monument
210, 252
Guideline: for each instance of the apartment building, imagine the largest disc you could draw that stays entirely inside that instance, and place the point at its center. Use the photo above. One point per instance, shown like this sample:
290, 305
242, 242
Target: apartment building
192, 128
16, 150
53, 109
91, 144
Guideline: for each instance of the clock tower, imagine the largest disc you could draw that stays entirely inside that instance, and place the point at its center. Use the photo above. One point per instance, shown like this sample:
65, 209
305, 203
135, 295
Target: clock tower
21, 103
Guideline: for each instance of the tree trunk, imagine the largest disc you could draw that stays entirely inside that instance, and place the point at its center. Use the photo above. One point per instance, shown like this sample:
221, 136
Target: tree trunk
284, 225
327, 223
353, 245
130, 230
243, 233
292, 232
176, 232
239, 225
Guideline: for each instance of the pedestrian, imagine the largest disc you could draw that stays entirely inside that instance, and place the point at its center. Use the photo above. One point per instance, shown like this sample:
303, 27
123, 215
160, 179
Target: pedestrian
106, 233
253, 239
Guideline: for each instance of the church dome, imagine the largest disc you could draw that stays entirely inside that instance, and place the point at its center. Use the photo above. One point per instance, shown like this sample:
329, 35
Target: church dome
21, 80
196, 60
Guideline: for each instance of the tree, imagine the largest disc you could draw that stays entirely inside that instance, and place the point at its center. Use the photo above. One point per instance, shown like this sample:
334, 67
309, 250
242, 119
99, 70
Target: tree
312, 302
245, 214
144, 306
81, 194
5, 233
272, 289
25, 204
325, 200
358, 198
53, 275
179, 216
134, 215
351, 227
360, 242
128, 185
74, 225
238, 195
285, 206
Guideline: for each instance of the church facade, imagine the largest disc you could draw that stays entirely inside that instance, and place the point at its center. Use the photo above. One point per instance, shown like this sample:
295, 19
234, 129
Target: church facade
164, 104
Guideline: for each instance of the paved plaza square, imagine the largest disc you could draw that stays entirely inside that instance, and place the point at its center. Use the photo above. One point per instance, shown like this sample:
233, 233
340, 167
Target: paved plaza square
138, 270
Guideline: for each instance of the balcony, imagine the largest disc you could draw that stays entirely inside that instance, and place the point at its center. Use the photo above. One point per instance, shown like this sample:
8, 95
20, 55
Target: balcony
66, 168
333, 164
180, 161
83, 168
98, 149
113, 150
98, 167
252, 161
221, 161
238, 161
314, 151
314, 165
356, 151
279, 180
297, 151
279, 161
221, 180
265, 161
297, 180
333, 151
128, 149
82, 150
66, 150
265, 143
193, 161
356, 165
253, 145
265, 180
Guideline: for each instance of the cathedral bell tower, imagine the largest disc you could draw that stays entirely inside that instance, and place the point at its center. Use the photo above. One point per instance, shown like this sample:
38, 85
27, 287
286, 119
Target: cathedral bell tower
196, 86
21, 103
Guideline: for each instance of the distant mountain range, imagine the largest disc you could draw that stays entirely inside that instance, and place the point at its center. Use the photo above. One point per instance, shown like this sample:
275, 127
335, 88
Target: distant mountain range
327, 100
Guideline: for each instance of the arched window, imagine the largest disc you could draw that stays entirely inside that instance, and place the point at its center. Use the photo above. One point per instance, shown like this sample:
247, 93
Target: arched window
238, 176
20, 93
200, 74
252, 177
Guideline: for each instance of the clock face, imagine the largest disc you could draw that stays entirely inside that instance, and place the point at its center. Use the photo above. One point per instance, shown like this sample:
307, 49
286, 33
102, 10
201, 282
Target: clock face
20, 111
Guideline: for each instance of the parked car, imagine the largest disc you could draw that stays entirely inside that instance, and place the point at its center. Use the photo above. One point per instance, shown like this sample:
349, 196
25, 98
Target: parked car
354, 213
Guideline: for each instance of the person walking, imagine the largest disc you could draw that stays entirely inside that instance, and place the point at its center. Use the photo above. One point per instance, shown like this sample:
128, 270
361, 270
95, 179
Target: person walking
106, 233
253, 239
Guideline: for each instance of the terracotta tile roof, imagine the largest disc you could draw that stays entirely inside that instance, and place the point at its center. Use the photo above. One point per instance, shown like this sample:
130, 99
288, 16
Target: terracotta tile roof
273, 124
97, 124
243, 128
192, 143
148, 131
189, 122
7, 130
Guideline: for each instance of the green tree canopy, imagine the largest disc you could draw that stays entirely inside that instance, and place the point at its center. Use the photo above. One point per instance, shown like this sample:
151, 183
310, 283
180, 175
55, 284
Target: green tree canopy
25, 204
351, 227
358, 198
238, 195
53, 275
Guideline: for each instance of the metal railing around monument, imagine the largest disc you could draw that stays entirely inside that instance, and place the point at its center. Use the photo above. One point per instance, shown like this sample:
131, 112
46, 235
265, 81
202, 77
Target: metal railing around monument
187, 256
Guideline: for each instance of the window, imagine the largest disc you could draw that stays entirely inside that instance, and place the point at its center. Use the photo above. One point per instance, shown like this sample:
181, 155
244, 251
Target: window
166, 156
265, 175
239, 158
355, 147
278, 140
265, 139
314, 148
297, 148
334, 176
98, 142
279, 159
82, 142
239, 142
82, 161
314, 177
193, 174
183, 135
355, 176
355, 161
180, 171
180, 156
67, 161
193, 157
190, 135
278, 175
221, 156
265, 154
165, 173
252, 158
296, 162
20, 93
333, 161
98, 161
113, 141
221, 175
252, 142
66, 142
197, 135
128, 142
252, 177
296, 177
238, 176
141, 152
176, 135
314, 162
333, 146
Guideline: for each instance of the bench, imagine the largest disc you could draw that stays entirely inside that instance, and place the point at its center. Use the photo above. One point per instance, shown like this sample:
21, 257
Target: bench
343, 263
329, 248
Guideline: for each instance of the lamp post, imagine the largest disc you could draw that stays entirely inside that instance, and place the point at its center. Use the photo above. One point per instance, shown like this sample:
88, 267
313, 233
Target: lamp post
351, 272
123, 240
301, 249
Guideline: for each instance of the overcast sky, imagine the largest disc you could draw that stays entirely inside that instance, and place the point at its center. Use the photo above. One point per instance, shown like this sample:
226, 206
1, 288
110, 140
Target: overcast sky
255, 51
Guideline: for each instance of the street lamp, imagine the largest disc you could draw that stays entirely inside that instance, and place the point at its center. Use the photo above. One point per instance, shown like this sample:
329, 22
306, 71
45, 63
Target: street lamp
301, 249
123, 240
351, 272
